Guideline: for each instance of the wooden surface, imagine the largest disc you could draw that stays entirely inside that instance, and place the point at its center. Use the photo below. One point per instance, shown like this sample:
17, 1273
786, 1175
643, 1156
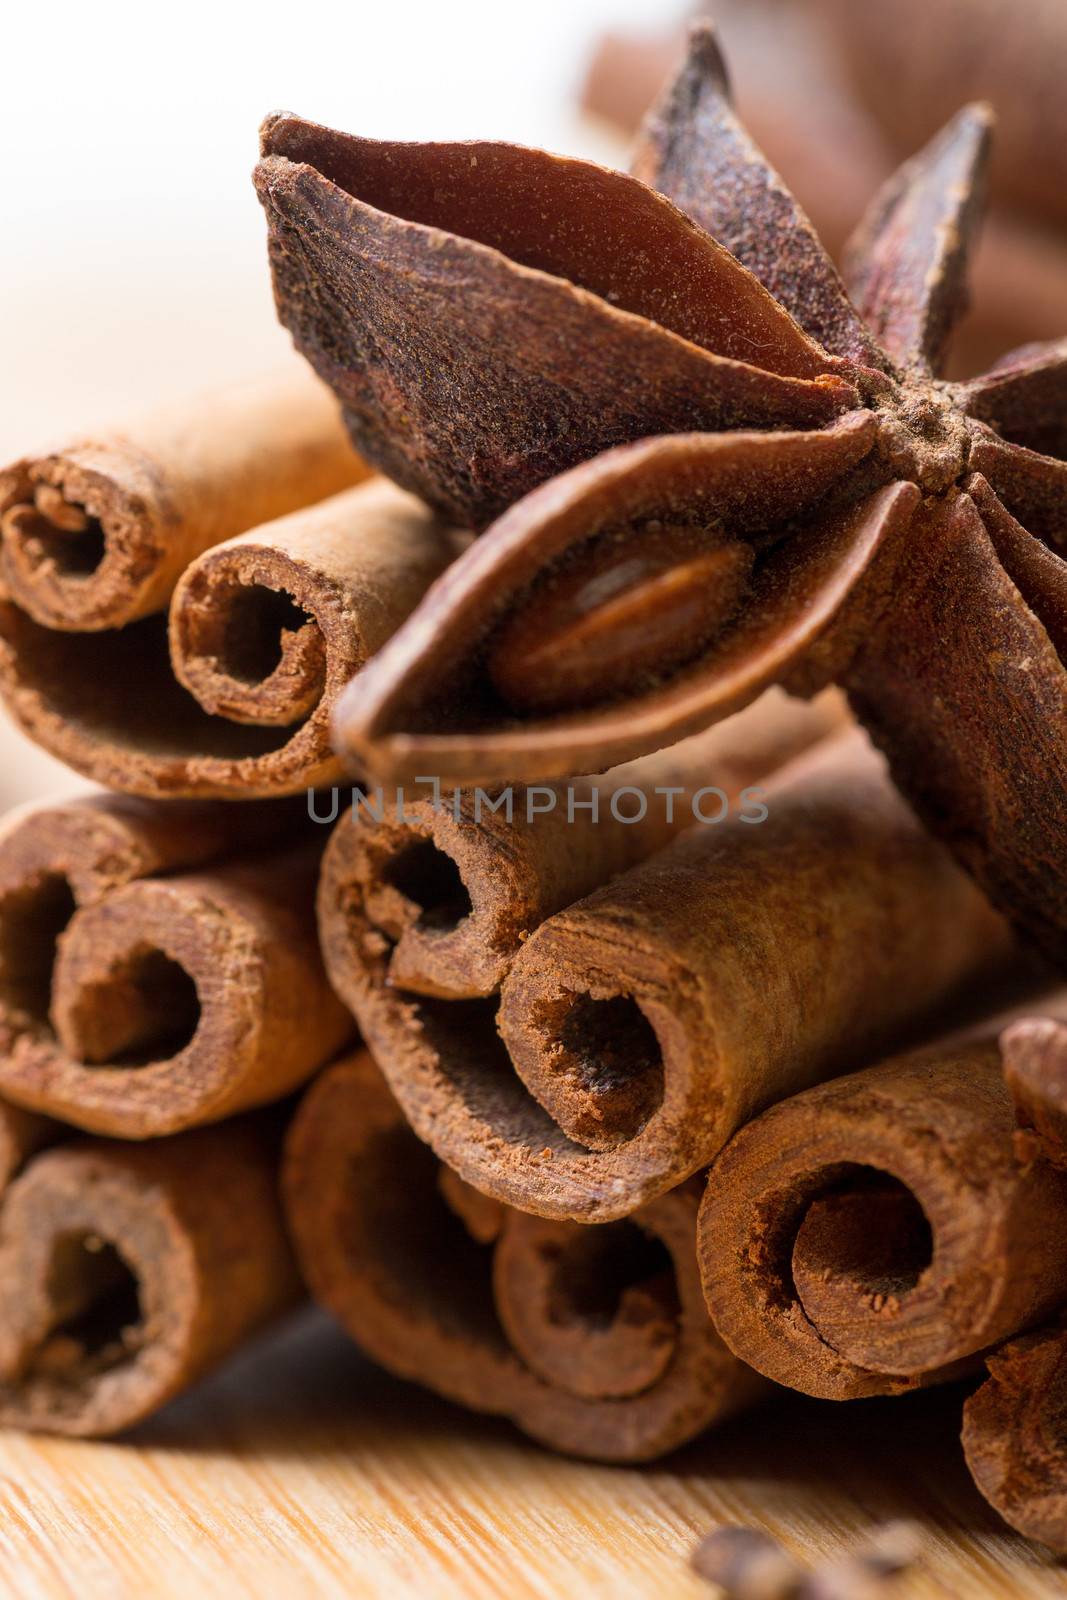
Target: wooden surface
301, 1471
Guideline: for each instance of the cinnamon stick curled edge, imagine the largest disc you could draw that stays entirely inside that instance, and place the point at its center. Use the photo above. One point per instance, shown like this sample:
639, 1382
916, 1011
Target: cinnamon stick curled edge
157, 969
266, 628
127, 1272
593, 1340
871, 1234
644, 1024
97, 532
456, 888
1013, 1433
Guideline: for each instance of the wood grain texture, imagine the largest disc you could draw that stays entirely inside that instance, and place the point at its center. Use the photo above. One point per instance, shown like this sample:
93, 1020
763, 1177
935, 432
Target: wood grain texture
304, 1472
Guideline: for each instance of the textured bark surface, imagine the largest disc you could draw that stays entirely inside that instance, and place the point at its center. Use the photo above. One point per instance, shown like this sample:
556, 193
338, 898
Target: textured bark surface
1035, 1071
454, 890
97, 532
871, 1233
593, 1340
265, 631
1013, 1435
831, 515
139, 995
126, 1273
647, 1021
1013, 1426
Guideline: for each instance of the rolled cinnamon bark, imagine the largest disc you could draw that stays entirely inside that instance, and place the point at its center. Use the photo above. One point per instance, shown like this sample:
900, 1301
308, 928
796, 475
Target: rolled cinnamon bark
265, 631
646, 1023
872, 1233
96, 533
593, 1340
456, 888
1013, 1434
127, 1272
138, 997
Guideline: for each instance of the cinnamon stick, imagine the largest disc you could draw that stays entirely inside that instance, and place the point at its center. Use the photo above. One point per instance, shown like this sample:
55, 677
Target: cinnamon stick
871, 1234
456, 888
593, 1340
97, 532
649, 1021
265, 631
127, 1272
1013, 1435
151, 978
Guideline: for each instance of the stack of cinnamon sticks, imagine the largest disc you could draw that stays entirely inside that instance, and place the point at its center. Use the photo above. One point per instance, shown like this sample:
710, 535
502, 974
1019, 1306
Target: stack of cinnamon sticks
604, 1103
183, 599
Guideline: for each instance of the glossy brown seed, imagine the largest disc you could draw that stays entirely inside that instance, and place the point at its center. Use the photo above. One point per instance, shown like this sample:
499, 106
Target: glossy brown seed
621, 615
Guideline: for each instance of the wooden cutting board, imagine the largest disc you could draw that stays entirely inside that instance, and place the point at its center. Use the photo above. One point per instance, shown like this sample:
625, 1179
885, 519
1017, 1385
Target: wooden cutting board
303, 1472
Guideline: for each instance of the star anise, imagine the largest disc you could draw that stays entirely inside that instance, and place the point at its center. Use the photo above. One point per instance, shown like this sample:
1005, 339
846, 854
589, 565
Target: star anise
711, 470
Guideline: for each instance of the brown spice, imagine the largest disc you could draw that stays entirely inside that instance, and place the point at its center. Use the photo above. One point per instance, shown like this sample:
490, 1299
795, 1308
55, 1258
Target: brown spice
815, 77
1013, 1435
127, 1272
748, 1564
150, 979
438, 900
265, 631
593, 1340
646, 1022
870, 1234
1013, 1432
903, 544
609, 622
96, 533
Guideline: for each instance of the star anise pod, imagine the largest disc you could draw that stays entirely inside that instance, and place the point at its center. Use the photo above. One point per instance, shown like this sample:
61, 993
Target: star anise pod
711, 470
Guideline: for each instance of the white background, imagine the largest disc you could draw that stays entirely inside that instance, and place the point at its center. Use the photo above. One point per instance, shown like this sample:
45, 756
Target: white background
132, 264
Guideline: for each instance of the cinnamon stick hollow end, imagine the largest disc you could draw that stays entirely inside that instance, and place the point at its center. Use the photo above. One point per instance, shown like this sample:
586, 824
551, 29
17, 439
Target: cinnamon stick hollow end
265, 631
96, 533
456, 889
180, 1000
639, 1027
1013, 1435
872, 1233
126, 1273
269, 627
683, 546
55, 858
594, 1341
